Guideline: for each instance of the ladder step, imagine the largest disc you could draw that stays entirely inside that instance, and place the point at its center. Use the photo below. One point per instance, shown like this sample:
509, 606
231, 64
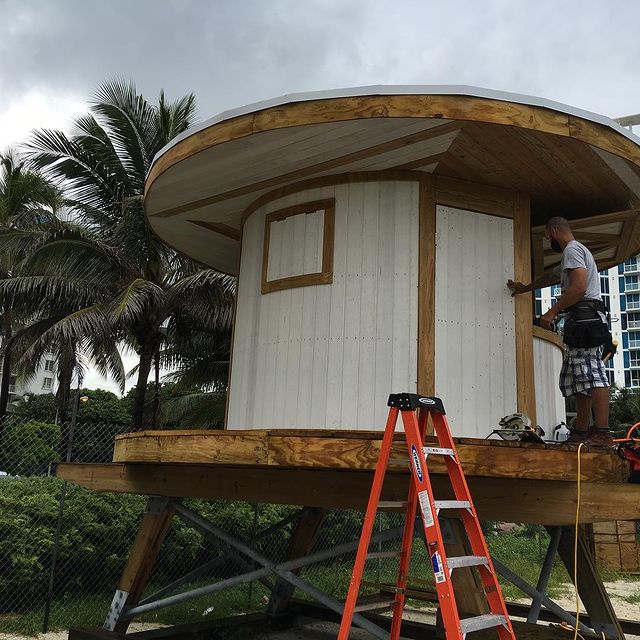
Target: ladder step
466, 561
374, 603
486, 621
392, 505
438, 451
373, 555
453, 504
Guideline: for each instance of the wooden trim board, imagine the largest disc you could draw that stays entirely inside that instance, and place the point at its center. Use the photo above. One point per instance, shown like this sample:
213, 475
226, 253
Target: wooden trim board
426, 288
526, 392
358, 450
325, 276
518, 500
459, 108
548, 336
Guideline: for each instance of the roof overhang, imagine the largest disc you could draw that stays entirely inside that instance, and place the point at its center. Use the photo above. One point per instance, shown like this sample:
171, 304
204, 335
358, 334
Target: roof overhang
571, 162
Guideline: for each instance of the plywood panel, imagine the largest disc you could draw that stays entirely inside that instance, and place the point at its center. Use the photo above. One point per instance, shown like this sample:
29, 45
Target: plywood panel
327, 356
475, 343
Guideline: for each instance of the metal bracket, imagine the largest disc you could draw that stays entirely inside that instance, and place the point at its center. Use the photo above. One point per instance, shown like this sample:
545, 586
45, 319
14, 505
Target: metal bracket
115, 610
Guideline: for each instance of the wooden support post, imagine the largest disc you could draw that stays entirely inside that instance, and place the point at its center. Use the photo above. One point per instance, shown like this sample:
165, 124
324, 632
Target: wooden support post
590, 587
523, 305
151, 534
303, 537
466, 584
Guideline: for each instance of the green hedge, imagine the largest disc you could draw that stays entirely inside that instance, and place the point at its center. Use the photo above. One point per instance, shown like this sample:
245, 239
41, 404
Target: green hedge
29, 448
98, 530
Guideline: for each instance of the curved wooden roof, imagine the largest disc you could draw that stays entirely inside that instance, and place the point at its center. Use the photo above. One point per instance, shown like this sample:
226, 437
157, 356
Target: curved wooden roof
571, 162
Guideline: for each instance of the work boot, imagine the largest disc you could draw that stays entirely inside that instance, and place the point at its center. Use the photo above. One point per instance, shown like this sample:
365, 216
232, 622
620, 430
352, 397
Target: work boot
600, 438
576, 436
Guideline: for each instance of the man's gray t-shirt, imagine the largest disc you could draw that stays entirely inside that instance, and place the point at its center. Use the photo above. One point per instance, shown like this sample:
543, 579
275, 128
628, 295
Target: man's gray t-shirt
576, 256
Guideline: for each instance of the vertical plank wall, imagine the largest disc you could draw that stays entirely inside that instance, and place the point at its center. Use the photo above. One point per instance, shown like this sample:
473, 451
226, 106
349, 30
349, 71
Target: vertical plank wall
327, 356
475, 321
550, 407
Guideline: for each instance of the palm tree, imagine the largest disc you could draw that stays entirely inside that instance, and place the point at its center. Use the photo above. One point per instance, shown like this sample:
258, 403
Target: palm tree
27, 200
129, 285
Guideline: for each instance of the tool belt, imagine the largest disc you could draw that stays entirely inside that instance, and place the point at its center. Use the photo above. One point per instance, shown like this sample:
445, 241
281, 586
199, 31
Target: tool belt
583, 327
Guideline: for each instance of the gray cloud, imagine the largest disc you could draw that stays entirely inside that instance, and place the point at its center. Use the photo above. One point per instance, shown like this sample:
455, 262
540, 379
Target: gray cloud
234, 52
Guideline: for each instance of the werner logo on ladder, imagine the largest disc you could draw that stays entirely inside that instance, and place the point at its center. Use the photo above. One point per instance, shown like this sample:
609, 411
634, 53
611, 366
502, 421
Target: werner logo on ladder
415, 411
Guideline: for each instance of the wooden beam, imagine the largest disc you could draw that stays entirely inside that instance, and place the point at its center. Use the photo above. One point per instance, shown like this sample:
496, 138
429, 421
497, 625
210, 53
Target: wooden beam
473, 196
359, 451
217, 227
516, 500
590, 588
526, 393
421, 162
548, 336
142, 556
595, 221
426, 288
303, 538
470, 596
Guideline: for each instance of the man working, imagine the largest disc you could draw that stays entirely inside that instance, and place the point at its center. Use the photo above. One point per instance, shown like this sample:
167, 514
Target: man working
583, 374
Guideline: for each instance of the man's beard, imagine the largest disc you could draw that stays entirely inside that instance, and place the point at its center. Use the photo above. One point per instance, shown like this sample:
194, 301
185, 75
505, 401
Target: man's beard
555, 245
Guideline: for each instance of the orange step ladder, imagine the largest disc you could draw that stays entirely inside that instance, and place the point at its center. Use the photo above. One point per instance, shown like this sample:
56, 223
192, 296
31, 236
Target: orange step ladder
415, 411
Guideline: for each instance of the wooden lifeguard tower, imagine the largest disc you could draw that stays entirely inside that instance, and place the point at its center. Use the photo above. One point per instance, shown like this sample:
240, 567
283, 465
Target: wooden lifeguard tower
372, 231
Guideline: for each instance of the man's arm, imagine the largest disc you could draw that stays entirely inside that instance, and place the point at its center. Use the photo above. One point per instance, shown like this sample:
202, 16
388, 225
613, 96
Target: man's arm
545, 280
574, 293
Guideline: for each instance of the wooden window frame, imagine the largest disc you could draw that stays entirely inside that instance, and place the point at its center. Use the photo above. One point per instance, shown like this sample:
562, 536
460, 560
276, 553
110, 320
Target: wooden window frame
320, 277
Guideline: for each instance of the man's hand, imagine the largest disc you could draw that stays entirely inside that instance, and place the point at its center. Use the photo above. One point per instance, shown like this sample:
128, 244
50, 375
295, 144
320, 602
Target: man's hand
546, 320
517, 287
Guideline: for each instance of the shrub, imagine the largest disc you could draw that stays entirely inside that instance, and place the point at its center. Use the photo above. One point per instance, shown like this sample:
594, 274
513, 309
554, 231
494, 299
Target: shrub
28, 448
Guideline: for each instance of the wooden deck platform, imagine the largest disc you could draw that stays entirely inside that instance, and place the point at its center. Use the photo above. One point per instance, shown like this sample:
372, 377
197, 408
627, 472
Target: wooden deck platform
520, 482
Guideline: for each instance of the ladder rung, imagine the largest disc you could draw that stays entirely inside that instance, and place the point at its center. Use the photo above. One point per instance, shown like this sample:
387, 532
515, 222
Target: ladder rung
372, 603
453, 504
373, 555
438, 451
481, 622
392, 505
466, 561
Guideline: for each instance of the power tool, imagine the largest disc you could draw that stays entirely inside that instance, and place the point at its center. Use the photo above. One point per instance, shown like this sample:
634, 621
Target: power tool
629, 449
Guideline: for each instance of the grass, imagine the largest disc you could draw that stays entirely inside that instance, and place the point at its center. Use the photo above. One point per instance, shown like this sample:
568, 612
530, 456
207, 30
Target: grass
522, 552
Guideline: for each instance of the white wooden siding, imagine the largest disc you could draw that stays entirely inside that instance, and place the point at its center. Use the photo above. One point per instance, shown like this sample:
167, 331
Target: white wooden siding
295, 245
327, 356
475, 320
550, 407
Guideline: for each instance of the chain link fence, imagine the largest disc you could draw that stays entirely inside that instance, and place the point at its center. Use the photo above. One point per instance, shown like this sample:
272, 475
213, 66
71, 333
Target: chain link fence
63, 548
89, 535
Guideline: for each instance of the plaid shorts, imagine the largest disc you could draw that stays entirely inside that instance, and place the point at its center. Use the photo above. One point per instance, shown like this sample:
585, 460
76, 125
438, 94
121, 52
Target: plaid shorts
582, 370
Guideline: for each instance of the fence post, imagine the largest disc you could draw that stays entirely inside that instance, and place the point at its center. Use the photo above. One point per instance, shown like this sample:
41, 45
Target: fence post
63, 493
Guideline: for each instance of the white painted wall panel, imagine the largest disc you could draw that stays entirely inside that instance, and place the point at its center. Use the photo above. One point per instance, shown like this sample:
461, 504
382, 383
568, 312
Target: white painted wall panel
550, 407
295, 245
327, 356
475, 320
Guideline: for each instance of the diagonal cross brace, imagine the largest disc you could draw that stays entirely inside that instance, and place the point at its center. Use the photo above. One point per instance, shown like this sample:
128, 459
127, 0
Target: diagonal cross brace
282, 570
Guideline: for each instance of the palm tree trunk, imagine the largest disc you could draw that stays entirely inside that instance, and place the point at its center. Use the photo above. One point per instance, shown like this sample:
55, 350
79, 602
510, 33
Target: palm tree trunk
5, 381
66, 364
144, 368
156, 397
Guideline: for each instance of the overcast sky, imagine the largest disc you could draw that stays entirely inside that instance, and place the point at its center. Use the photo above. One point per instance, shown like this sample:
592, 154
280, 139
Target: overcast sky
53, 54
